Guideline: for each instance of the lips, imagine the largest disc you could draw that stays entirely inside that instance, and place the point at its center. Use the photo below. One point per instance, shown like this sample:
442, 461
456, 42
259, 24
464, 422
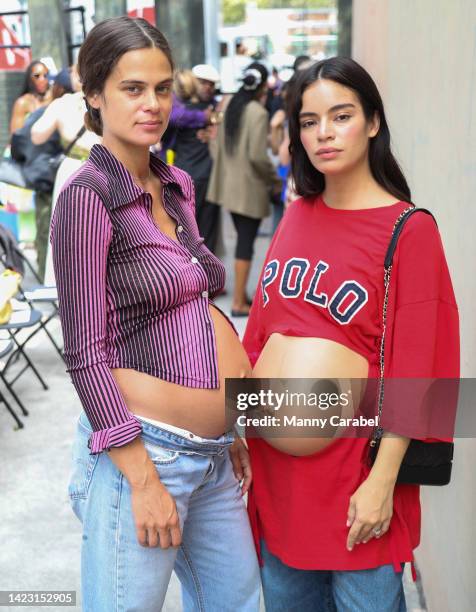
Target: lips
150, 123
326, 150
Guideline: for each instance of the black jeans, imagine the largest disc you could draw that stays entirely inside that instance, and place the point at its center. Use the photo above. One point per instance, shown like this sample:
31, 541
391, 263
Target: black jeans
207, 215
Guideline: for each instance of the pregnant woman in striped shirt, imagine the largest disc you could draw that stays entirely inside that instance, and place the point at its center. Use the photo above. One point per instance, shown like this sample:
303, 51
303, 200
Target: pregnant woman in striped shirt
148, 353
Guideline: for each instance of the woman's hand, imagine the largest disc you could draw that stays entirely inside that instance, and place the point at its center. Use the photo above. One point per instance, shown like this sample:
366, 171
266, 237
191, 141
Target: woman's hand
240, 459
371, 506
155, 515
370, 510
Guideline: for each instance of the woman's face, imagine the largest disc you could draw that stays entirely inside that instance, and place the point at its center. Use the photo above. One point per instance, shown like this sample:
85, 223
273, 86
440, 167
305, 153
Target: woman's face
334, 131
39, 78
137, 98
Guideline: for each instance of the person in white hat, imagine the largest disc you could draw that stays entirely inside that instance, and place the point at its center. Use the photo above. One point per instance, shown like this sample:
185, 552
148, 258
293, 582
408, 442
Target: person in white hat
193, 155
208, 77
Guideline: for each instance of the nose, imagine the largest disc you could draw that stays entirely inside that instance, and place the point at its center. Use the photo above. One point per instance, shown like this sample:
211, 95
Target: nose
151, 102
325, 130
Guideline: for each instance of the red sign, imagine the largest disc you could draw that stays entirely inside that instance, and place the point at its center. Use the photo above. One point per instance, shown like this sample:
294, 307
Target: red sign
147, 13
12, 59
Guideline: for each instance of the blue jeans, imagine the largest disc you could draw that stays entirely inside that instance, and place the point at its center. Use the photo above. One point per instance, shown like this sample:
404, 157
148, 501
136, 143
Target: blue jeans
216, 563
287, 589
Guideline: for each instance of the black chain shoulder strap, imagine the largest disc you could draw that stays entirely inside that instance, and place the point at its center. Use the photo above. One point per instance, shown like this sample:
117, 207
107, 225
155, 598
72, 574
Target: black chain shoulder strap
388, 263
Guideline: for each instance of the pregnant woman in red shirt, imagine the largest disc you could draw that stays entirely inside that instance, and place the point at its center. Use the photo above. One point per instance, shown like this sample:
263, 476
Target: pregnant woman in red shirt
332, 533
147, 351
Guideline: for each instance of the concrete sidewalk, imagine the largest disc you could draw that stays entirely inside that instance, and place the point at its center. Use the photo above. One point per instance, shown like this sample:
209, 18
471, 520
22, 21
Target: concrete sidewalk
39, 535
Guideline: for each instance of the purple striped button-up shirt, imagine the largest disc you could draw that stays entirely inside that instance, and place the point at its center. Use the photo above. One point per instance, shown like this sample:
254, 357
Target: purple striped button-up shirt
129, 295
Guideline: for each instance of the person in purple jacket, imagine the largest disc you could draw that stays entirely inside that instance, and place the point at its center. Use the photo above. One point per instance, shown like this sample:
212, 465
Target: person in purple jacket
192, 153
156, 472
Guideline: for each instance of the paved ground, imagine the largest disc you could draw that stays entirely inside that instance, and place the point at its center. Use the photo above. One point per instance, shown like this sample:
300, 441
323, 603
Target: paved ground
39, 535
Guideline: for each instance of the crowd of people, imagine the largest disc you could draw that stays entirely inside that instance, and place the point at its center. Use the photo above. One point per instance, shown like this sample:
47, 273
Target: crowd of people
223, 142
158, 475
50, 142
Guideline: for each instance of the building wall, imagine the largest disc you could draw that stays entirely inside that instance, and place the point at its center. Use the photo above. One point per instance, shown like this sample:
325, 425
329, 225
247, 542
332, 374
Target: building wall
423, 57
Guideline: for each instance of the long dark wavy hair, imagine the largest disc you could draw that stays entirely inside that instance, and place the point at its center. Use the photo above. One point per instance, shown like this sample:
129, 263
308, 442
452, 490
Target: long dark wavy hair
383, 165
250, 90
28, 84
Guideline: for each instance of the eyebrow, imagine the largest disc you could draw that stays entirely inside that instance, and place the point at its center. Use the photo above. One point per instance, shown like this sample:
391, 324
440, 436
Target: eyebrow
331, 110
137, 82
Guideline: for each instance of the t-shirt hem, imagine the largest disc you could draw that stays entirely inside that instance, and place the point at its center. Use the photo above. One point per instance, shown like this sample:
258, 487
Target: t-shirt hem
308, 563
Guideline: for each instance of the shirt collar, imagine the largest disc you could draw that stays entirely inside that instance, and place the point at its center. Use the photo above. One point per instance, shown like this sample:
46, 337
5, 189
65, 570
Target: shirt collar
122, 187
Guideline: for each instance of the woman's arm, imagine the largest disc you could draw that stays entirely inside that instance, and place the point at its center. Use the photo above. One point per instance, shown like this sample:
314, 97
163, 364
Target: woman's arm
80, 236
20, 110
42, 129
183, 117
422, 344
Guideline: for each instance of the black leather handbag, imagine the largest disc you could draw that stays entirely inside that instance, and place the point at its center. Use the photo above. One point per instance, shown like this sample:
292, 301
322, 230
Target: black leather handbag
424, 463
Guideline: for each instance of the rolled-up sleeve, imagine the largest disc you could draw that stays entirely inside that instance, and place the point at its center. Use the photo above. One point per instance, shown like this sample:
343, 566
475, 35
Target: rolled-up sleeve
80, 237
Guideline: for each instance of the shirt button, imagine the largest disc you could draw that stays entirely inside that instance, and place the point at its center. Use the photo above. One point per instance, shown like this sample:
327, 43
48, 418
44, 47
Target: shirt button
194, 260
179, 229
204, 294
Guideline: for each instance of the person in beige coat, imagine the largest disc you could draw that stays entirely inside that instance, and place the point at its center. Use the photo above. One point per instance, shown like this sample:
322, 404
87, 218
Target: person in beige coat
243, 177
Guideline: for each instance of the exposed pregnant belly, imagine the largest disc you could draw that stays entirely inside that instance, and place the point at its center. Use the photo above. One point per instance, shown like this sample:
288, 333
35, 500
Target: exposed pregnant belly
201, 411
316, 359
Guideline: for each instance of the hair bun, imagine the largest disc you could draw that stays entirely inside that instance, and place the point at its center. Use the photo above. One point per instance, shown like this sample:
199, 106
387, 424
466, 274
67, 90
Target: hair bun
252, 79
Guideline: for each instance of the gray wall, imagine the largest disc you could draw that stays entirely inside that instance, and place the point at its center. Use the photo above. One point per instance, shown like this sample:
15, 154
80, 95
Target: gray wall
423, 57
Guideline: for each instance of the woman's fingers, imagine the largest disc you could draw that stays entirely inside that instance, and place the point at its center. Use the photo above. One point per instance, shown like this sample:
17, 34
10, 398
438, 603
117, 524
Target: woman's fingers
236, 462
176, 535
351, 512
164, 537
245, 467
248, 477
156, 516
142, 536
370, 532
152, 538
354, 534
385, 526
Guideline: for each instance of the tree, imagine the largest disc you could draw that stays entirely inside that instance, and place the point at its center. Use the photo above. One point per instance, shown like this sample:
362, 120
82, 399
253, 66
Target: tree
234, 11
299, 4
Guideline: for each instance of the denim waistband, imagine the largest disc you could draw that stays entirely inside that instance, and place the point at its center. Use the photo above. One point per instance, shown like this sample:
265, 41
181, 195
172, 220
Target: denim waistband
173, 441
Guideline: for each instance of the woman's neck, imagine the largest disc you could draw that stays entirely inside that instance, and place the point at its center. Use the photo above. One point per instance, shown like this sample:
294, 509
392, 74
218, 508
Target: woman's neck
135, 159
355, 189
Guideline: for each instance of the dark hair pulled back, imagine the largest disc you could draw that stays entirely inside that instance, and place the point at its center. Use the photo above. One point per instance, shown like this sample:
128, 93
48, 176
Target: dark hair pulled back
383, 165
254, 80
103, 47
